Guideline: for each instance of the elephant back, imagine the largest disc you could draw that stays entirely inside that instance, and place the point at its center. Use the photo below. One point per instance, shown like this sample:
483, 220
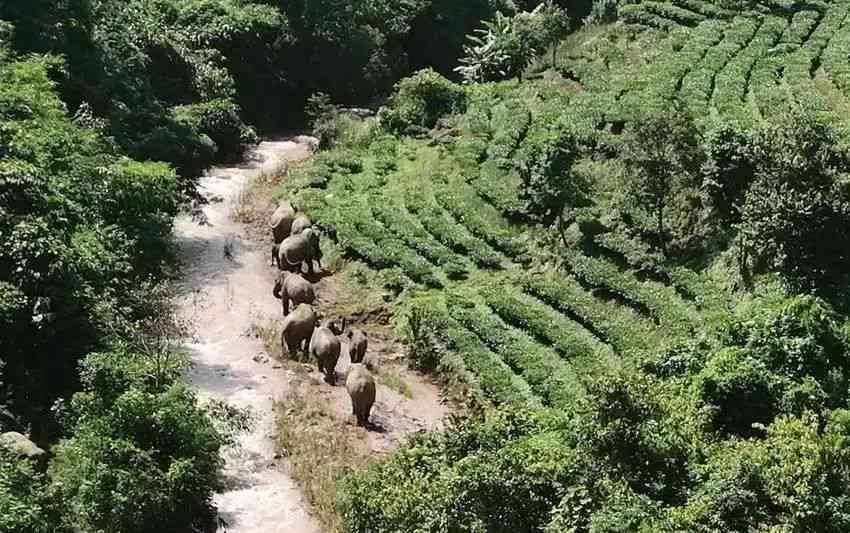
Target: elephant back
281, 221
294, 249
299, 289
360, 384
300, 224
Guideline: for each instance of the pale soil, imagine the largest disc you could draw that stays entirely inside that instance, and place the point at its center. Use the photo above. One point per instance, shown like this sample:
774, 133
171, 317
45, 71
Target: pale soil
223, 295
227, 282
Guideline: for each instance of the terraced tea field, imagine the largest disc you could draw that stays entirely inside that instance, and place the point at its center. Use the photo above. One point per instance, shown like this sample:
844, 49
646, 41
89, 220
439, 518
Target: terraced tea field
528, 322
733, 63
522, 331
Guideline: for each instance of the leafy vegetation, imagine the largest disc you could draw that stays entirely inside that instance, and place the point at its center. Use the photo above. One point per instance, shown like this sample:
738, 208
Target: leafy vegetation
663, 317
632, 256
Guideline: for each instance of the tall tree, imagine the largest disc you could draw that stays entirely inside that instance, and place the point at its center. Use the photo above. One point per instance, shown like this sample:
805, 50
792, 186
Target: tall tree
662, 154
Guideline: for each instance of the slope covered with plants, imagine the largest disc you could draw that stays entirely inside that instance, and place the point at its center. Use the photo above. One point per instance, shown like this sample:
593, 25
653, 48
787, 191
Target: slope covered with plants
636, 262
109, 112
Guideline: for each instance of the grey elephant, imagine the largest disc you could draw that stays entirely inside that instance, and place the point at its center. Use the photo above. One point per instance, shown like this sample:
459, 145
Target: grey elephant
325, 347
300, 223
291, 287
298, 327
281, 221
297, 249
357, 344
361, 388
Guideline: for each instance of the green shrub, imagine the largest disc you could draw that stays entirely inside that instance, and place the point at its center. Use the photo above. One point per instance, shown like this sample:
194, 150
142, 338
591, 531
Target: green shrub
739, 392
421, 100
220, 121
143, 448
24, 506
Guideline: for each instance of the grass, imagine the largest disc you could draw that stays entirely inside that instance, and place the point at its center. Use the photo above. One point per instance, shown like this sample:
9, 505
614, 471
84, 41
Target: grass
268, 332
393, 380
319, 448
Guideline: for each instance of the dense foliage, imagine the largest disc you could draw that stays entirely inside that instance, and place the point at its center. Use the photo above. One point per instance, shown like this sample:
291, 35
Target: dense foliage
634, 260
641, 286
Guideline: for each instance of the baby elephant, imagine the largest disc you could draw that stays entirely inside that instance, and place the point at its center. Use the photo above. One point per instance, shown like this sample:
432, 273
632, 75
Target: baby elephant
325, 347
357, 343
298, 328
293, 288
361, 387
300, 223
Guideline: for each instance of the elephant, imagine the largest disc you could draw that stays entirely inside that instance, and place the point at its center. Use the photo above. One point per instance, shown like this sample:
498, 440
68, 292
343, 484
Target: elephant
300, 223
361, 388
357, 343
281, 221
298, 328
296, 249
325, 347
290, 287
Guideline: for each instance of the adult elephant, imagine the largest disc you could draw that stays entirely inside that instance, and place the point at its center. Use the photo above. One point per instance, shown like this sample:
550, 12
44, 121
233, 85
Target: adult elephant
361, 389
298, 328
325, 347
297, 249
291, 287
281, 221
357, 345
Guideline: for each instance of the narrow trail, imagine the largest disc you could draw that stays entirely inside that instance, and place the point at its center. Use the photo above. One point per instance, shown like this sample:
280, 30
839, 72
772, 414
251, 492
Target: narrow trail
226, 284
226, 289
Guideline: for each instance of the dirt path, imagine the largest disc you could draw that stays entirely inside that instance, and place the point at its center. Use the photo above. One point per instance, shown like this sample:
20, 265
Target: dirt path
227, 284
227, 292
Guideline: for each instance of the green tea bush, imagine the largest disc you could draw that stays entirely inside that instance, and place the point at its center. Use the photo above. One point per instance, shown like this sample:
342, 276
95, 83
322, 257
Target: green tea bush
501, 190
362, 236
444, 228
566, 337
553, 379
660, 301
480, 218
421, 100
624, 329
494, 377
395, 217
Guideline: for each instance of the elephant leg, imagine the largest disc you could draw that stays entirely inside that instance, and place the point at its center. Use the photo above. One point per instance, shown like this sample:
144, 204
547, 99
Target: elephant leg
275, 257
285, 299
310, 266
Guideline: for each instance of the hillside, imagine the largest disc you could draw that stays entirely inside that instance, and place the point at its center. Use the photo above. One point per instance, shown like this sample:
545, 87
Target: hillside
613, 232
651, 341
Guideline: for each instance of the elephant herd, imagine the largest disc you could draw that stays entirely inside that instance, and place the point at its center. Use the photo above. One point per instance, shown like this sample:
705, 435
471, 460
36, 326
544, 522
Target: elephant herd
296, 245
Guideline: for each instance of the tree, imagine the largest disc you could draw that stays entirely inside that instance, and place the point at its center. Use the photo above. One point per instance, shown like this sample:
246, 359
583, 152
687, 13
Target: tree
662, 152
545, 161
502, 49
795, 213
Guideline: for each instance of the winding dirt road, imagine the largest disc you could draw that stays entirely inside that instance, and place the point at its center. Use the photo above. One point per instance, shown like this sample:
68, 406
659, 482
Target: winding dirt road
226, 286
